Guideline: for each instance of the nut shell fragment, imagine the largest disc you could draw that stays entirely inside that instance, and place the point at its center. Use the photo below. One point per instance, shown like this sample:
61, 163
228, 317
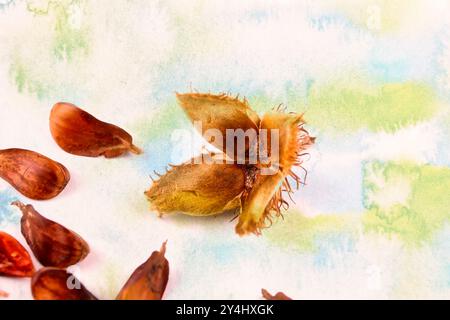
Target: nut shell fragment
78, 132
32, 174
58, 284
149, 280
52, 244
14, 258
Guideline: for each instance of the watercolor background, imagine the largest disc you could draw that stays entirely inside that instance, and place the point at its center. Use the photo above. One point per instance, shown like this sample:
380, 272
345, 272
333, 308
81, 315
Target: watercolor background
372, 76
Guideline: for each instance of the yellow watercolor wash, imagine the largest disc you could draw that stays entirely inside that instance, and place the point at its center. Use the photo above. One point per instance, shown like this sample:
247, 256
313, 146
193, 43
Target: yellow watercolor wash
378, 16
71, 36
350, 106
301, 232
416, 219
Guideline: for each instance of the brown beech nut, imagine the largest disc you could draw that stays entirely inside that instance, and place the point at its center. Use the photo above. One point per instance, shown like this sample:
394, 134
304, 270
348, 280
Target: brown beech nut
32, 174
79, 133
52, 244
4, 294
15, 260
58, 284
149, 280
278, 296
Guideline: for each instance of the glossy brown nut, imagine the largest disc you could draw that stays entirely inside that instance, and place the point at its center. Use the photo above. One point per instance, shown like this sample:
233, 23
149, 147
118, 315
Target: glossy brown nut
149, 280
78, 132
14, 258
58, 284
278, 296
32, 174
52, 244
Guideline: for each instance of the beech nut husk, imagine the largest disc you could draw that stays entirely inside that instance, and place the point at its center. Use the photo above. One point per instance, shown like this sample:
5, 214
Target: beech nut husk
52, 244
58, 284
257, 174
32, 174
149, 280
79, 133
15, 260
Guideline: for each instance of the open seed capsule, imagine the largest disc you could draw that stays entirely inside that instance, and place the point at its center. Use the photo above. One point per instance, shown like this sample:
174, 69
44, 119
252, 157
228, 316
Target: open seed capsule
52, 244
78, 132
32, 174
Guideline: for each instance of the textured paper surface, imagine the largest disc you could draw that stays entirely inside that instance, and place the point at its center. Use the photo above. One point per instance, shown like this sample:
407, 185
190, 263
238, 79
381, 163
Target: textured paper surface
372, 76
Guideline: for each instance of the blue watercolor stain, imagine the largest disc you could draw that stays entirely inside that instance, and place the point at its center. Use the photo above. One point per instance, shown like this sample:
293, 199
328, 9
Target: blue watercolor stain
441, 49
4, 4
441, 251
325, 21
330, 244
258, 16
7, 213
158, 157
341, 180
179, 78
389, 71
394, 59
217, 253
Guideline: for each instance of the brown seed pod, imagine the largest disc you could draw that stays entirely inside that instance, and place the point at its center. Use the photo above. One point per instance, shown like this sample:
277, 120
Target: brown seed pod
278, 296
52, 244
14, 258
32, 174
149, 280
58, 284
78, 132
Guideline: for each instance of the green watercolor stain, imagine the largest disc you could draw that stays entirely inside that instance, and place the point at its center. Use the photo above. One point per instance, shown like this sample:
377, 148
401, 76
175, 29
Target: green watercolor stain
291, 99
161, 125
406, 200
69, 39
25, 80
347, 107
303, 233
